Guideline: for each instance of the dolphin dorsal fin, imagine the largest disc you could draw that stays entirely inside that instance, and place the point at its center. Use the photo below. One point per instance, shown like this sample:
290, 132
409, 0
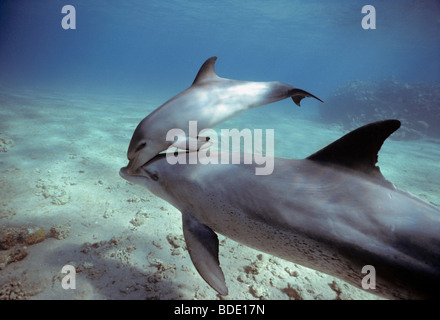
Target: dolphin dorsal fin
358, 149
207, 71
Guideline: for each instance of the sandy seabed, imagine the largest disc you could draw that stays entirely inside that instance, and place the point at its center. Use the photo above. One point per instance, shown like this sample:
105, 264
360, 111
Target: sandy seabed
62, 202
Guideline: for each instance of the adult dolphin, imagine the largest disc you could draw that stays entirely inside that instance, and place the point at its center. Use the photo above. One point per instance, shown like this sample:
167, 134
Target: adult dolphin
210, 100
333, 212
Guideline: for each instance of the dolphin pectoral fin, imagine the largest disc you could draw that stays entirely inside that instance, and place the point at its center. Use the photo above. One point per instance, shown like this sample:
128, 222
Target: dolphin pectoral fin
202, 245
298, 94
203, 143
192, 144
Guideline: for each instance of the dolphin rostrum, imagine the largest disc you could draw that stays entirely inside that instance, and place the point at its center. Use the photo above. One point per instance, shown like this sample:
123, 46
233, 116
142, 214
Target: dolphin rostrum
210, 100
333, 212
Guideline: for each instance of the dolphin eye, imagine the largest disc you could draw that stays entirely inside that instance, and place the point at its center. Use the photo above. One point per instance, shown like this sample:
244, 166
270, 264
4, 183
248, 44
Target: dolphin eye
141, 146
152, 175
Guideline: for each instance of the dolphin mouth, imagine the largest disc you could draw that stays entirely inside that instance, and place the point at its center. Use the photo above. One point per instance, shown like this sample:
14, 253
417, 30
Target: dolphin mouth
139, 173
143, 167
130, 168
131, 177
123, 173
128, 172
133, 170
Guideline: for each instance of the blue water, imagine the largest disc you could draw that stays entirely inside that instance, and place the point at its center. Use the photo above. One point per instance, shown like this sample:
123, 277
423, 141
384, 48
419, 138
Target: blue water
154, 48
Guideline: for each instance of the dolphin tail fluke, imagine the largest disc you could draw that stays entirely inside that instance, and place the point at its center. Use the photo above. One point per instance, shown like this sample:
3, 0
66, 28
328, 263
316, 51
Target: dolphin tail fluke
298, 94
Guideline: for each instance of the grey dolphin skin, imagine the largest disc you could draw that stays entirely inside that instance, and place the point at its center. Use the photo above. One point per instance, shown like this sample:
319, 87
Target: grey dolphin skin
210, 101
333, 212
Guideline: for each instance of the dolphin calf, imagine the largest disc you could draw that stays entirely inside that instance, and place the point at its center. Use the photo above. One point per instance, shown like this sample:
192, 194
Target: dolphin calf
333, 212
210, 100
